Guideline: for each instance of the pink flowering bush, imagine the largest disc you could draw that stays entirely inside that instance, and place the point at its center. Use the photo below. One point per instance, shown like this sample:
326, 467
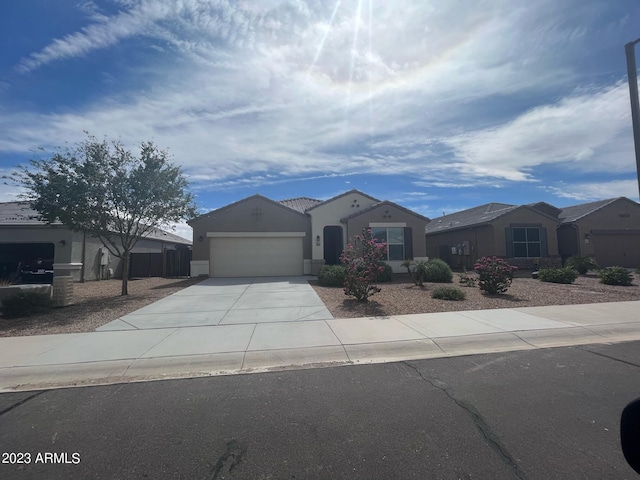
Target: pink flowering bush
362, 259
495, 275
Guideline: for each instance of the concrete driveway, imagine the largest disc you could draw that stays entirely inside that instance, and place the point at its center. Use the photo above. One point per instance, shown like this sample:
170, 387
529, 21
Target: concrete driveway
229, 301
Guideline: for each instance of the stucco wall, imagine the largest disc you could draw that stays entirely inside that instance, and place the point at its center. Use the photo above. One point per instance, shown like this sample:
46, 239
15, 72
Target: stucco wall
241, 217
608, 218
389, 214
38, 234
330, 213
524, 216
481, 244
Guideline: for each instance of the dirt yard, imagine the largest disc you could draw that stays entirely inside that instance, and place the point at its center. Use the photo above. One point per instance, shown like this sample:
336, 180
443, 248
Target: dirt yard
96, 303
401, 296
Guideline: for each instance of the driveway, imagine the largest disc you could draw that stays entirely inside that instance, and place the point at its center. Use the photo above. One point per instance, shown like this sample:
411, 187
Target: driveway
229, 301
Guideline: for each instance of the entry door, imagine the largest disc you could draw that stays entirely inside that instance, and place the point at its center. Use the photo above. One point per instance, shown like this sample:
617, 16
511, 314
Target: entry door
332, 244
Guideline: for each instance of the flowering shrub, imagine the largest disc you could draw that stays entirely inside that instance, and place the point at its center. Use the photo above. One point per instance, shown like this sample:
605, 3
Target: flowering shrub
495, 275
362, 258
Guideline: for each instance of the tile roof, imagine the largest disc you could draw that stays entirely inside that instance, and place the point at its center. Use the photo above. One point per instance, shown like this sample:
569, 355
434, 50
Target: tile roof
300, 204
18, 213
575, 212
467, 218
21, 213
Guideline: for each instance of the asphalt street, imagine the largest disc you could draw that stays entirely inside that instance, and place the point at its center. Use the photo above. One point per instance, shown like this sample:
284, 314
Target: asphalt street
535, 414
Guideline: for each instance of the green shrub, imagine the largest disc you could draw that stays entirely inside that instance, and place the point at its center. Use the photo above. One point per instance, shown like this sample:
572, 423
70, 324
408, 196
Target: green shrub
616, 276
24, 304
437, 271
494, 275
386, 275
448, 293
558, 275
332, 276
581, 264
418, 272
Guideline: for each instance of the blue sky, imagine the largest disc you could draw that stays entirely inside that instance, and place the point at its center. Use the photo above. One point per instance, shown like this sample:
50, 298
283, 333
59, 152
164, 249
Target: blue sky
438, 106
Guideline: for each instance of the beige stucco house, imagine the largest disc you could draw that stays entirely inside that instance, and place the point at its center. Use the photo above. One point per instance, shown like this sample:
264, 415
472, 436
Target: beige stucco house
608, 230
523, 234
27, 241
258, 236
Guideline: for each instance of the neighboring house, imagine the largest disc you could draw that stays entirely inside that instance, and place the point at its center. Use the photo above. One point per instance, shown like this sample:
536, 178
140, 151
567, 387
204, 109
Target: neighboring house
608, 230
26, 241
258, 236
523, 234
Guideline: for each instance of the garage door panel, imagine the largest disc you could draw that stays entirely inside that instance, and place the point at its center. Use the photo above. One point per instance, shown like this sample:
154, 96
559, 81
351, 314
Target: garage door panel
256, 256
617, 249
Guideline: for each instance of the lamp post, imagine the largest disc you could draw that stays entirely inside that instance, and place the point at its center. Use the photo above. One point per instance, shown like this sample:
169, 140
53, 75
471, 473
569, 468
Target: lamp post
632, 74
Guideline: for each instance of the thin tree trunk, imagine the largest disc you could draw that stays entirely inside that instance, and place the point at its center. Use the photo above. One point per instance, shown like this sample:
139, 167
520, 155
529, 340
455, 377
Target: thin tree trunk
126, 257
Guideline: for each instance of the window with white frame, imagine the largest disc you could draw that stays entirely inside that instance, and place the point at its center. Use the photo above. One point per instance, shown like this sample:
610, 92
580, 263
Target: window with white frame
394, 238
526, 242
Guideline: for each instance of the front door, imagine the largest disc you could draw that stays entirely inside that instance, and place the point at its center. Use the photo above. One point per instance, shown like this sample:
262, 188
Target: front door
332, 244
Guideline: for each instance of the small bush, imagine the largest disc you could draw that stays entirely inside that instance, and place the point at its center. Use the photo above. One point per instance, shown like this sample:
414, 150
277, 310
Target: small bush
386, 275
332, 275
494, 275
581, 264
448, 293
558, 275
24, 304
616, 276
437, 271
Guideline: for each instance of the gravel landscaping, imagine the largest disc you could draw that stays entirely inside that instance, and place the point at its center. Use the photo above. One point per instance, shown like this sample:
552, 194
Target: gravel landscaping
96, 303
401, 296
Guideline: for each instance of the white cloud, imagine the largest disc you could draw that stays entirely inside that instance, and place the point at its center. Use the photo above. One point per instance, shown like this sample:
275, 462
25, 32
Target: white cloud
182, 230
584, 192
241, 106
588, 131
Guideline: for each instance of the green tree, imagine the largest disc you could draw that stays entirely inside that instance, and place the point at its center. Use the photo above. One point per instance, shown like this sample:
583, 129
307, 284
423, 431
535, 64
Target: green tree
106, 191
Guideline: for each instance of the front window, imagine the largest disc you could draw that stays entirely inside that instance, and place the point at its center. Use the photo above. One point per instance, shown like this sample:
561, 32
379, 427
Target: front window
394, 238
526, 242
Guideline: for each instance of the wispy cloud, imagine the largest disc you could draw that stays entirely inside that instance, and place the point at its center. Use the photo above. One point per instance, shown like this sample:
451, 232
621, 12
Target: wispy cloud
588, 130
582, 192
106, 31
412, 89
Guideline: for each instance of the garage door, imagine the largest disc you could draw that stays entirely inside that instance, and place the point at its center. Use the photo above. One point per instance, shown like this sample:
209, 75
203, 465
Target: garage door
256, 256
617, 249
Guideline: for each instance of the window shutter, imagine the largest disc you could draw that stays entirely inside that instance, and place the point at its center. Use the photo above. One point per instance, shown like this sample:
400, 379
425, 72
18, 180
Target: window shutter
408, 243
543, 243
508, 235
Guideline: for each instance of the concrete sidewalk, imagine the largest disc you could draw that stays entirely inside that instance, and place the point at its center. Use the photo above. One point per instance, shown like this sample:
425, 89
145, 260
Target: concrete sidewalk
36, 362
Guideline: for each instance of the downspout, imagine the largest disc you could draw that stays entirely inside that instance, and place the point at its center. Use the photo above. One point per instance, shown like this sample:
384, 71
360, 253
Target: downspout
84, 256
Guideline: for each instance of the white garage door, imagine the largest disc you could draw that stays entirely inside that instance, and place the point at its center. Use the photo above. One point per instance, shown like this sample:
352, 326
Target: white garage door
256, 256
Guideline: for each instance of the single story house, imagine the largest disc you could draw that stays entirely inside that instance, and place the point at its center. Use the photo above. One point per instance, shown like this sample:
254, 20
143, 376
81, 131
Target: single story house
28, 243
539, 234
258, 236
523, 234
608, 230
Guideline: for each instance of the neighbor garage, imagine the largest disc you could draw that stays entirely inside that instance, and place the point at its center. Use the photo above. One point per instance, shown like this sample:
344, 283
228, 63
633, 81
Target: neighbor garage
256, 255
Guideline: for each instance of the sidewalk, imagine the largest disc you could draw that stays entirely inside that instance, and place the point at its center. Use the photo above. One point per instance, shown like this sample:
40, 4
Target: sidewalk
47, 361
